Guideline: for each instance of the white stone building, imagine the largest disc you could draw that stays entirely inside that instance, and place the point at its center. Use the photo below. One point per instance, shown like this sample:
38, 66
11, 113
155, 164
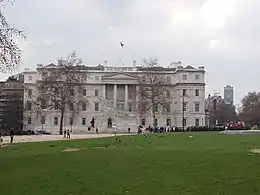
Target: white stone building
112, 92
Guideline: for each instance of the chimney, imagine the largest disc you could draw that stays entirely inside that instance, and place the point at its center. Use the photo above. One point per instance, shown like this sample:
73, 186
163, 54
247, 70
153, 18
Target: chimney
105, 62
134, 63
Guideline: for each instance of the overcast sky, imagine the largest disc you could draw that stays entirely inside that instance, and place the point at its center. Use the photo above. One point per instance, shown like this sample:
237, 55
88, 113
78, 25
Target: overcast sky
222, 35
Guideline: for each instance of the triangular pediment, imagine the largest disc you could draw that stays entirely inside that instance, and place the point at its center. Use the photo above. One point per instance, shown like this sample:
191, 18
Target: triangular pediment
120, 76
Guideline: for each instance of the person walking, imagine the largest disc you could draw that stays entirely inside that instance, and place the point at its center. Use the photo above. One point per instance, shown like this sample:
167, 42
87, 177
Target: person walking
65, 133
12, 135
68, 134
129, 129
1, 139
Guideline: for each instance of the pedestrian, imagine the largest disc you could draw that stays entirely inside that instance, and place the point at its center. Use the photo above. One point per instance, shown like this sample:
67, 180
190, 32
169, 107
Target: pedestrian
115, 129
68, 134
96, 130
12, 135
65, 133
129, 129
1, 139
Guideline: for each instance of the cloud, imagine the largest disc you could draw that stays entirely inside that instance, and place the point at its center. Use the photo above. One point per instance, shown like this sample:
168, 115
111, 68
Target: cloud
222, 35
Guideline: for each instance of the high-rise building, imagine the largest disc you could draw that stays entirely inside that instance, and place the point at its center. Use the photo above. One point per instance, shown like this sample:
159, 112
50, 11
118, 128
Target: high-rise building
229, 94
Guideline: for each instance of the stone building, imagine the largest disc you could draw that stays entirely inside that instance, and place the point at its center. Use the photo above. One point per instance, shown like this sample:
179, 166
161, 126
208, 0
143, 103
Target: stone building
111, 92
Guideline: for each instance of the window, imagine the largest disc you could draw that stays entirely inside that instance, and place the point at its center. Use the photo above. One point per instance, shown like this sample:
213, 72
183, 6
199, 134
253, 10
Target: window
29, 120
30, 93
56, 91
184, 92
56, 106
197, 107
72, 92
71, 121
29, 105
168, 94
30, 78
168, 79
84, 106
184, 122
130, 107
156, 122
197, 92
197, 77
56, 120
96, 92
83, 121
197, 122
44, 103
156, 107
96, 78
167, 108
120, 106
143, 78
168, 122
96, 106
43, 120
184, 77
184, 106
143, 122
84, 92
71, 106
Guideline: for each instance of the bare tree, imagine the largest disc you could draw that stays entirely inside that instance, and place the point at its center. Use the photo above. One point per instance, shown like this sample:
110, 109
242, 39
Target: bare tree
10, 53
250, 110
61, 87
153, 89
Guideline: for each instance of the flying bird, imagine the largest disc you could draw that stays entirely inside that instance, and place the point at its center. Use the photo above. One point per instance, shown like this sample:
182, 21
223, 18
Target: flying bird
122, 44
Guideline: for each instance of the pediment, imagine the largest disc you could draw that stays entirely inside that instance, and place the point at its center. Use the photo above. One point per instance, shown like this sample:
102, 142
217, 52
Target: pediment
120, 76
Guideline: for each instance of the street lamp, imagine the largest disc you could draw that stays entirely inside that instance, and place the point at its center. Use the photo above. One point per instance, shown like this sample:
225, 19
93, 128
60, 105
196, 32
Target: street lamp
183, 94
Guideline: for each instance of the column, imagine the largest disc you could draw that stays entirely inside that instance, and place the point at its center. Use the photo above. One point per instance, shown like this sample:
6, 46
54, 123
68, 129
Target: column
104, 91
126, 97
115, 95
137, 94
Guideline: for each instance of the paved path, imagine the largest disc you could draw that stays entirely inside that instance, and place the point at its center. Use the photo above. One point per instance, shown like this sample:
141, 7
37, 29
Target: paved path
40, 138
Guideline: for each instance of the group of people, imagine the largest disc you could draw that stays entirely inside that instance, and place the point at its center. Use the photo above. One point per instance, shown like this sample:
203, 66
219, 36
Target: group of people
66, 134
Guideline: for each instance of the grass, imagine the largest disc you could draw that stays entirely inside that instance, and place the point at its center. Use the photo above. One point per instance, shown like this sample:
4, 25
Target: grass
207, 163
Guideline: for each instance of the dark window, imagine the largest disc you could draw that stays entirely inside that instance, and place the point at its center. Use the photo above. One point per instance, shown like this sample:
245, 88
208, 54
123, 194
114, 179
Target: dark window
96, 92
56, 120
184, 122
197, 107
44, 104
167, 108
143, 122
72, 92
56, 106
96, 106
197, 77
184, 92
197, 122
83, 121
29, 105
184, 106
71, 121
84, 106
84, 92
43, 120
184, 77
197, 92
30, 93
156, 122
29, 121
168, 122
71, 106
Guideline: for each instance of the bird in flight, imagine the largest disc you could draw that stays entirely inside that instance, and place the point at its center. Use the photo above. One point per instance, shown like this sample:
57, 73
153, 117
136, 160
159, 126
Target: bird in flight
122, 44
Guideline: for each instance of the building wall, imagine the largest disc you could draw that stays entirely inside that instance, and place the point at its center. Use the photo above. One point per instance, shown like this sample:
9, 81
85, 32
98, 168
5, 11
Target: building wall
102, 82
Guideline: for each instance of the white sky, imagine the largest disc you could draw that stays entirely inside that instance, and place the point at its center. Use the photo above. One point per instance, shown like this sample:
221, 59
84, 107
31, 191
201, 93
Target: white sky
222, 35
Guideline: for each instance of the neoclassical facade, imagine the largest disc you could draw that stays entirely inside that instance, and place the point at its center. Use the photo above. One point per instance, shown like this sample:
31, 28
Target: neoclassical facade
112, 92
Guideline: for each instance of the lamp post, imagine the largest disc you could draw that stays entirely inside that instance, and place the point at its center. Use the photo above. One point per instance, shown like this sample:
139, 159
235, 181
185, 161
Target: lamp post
183, 94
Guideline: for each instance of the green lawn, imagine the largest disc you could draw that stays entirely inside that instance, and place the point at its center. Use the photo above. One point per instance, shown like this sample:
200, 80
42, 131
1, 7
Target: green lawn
207, 163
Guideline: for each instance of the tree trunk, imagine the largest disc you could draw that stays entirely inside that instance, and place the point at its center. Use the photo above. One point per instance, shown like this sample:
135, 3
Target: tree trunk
153, 113
61, 121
